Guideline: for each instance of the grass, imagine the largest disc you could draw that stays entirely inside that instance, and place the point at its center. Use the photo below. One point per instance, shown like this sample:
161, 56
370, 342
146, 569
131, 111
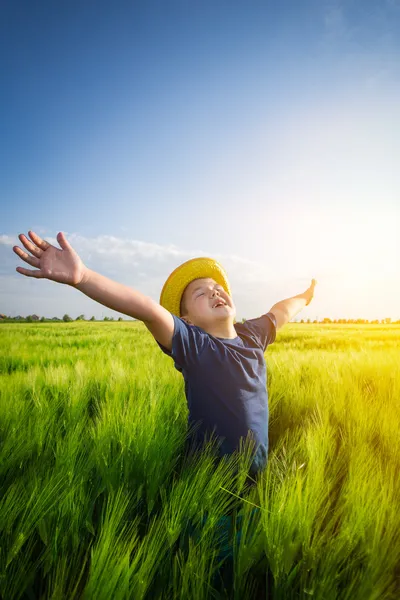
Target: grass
97, 501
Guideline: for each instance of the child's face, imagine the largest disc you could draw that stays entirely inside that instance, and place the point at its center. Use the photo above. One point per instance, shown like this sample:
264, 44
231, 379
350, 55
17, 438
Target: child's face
200, 297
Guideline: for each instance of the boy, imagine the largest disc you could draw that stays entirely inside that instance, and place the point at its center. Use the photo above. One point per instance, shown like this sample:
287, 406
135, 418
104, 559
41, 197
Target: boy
222, 361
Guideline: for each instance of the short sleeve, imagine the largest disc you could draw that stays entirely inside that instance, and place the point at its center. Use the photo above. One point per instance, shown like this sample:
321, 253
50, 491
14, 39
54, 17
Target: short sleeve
188, 341
264, 329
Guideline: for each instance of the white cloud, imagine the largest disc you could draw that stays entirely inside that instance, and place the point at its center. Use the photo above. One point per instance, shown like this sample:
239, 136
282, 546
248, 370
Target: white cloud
331, 250
7, 240
142, 265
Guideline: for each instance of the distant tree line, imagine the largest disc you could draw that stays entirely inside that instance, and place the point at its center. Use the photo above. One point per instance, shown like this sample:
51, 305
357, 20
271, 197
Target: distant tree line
66, 319
388, 321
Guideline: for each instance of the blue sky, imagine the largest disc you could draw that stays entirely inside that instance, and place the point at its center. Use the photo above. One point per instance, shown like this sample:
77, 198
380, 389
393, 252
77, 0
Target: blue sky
263, 134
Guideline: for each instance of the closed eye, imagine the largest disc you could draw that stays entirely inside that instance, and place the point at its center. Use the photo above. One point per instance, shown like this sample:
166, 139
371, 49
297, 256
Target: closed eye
202, 294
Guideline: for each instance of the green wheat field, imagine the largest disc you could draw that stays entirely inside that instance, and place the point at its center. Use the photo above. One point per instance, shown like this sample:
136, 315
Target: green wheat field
97, 499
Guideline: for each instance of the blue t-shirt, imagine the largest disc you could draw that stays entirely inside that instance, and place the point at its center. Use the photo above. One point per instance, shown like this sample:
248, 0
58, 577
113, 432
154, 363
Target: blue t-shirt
226, 382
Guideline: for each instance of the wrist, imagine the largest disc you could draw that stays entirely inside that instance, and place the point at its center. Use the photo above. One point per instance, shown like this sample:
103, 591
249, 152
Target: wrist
86, 275
84, 279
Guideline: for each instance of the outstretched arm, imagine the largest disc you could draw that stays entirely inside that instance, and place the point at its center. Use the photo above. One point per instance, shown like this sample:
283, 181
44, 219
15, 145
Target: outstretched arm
65, 266
115, 295
285, 310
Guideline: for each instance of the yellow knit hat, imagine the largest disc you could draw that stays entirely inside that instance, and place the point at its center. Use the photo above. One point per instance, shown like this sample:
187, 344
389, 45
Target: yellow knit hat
180, 278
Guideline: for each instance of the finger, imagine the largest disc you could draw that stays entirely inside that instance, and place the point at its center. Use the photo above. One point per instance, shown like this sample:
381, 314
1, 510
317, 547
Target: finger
29, 246
62, 240
38, 240
30, 272
31, 260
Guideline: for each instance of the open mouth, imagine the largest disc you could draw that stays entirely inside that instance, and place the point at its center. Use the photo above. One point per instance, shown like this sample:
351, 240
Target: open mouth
219, 304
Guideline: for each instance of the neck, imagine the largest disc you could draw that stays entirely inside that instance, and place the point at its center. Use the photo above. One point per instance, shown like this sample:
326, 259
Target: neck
222, 330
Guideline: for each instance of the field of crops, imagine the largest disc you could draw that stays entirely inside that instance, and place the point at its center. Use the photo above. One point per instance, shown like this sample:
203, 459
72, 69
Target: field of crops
95, 501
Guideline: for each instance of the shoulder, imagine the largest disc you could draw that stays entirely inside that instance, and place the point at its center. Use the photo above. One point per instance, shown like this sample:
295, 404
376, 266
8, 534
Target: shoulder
262, 329
187, 343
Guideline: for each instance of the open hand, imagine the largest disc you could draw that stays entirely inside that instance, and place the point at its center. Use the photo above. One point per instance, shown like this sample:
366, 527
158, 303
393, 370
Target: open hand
63, 266
310, 291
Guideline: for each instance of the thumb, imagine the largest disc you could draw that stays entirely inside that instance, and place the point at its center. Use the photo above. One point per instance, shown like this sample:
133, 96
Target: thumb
62, 240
